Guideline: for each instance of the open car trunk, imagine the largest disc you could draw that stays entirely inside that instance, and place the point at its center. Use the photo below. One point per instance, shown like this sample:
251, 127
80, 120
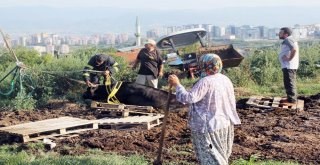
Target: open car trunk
230, 56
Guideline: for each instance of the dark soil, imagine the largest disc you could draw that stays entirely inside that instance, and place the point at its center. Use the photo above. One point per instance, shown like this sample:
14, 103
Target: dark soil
278, 135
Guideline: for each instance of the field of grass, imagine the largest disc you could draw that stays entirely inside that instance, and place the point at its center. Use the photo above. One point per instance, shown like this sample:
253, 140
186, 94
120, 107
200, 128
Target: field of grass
36, 155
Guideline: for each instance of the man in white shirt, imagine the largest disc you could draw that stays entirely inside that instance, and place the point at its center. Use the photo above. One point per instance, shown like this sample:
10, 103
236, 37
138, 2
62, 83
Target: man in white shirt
289, 59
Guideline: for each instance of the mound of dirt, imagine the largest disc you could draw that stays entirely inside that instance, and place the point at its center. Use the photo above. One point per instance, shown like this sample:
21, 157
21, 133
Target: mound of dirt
278, 135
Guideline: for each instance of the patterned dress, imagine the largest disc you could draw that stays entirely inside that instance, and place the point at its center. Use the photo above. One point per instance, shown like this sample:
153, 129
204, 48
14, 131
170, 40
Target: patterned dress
212, 117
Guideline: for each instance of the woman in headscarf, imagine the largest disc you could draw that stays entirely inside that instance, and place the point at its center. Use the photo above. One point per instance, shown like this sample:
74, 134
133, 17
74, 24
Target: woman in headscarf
212, 113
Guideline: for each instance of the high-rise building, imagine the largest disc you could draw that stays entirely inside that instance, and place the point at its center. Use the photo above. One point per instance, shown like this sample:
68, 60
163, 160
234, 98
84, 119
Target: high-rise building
153, 33
84, 41
121, 38
191, 26
50, 49
23, 41
251, 34
171, 29
64, 49
218, 32
94, 41
300, 33
108, 39
39, 49
273, 33
231, 30
36, 39
263, 32
55, 39
47, 41
44, 35
208, 28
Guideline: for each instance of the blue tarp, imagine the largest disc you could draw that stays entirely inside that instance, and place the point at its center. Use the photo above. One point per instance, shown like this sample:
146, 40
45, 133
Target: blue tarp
174, 59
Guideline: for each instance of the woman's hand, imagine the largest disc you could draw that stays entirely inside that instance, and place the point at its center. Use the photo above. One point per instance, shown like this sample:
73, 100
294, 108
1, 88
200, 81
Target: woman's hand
173, 80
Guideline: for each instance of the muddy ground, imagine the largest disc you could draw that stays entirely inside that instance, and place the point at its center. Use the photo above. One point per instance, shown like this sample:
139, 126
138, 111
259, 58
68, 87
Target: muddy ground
278, 135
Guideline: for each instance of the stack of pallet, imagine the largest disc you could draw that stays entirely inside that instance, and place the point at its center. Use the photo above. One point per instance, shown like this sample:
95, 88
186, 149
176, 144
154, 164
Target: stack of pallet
121, 116
272, 103
122, 110
117, 117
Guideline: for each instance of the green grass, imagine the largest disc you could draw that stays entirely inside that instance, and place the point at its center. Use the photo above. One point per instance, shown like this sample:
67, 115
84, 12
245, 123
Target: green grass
271, 162
308, 86
18, 155
180, 150
14, 155
253, 160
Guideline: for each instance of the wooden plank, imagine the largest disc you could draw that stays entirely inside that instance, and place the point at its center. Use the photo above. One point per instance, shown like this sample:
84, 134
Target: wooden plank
95, 126
28, 139
112, 106
123, 112
276, 102
140, 108
300, 105
131, 126
254, 100
277, 99
62, 131
275, 105
130, 120
261, 106
46, 125
251, 100
266, 103
100, 105
59, 137
148, 126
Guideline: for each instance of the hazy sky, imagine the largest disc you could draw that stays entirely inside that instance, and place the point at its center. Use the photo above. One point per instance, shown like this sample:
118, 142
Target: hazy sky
160, 4
97, 16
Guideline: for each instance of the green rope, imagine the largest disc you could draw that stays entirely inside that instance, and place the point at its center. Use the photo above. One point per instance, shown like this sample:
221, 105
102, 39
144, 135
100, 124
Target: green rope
28, 82
11, 83
10, 91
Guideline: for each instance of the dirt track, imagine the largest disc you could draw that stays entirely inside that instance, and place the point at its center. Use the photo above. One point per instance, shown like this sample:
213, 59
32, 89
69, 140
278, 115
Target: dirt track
278, 135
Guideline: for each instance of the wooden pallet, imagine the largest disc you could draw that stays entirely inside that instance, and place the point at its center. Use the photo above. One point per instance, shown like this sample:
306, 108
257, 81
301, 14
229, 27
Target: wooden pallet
273, 103
122, 110
122, 113
99, 105
34, 131
147, 122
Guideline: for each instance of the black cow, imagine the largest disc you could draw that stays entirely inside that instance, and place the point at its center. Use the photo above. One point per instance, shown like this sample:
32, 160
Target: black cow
135, 94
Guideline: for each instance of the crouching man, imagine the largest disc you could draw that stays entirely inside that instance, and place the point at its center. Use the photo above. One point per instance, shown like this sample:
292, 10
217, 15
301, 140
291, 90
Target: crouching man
100, 65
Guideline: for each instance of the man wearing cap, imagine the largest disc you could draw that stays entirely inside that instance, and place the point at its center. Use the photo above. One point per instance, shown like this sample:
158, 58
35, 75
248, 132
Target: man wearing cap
101, 65
289, 59
151, 66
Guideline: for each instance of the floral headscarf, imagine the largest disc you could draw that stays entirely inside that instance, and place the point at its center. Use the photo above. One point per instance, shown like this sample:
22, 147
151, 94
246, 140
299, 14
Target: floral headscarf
210, 65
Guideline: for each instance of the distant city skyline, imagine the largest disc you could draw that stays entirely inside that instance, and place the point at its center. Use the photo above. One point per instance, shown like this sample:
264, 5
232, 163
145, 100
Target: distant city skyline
46, 43
101, 16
